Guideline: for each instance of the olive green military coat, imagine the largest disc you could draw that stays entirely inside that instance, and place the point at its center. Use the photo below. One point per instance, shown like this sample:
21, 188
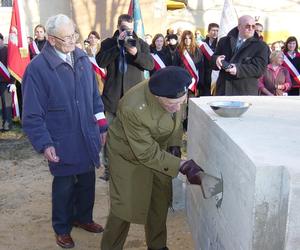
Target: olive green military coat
137, 143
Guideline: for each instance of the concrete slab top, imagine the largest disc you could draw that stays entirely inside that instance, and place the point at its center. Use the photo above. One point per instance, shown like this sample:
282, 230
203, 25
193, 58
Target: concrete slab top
269, 132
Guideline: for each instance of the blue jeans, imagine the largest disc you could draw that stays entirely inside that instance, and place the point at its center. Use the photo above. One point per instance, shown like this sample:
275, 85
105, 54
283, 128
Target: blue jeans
73, 199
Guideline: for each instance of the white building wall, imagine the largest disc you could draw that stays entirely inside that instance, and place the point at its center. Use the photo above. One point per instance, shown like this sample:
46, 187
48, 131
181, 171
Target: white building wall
280, 17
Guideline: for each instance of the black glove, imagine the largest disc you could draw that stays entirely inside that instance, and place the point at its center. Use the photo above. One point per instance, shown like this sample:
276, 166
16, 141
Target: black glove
191, 169
174, 150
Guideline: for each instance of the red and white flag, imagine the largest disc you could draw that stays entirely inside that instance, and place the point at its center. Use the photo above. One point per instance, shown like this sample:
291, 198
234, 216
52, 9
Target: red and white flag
158, 63
4, 72
229, 19
18, 56
292, 69
97, 69
191, 68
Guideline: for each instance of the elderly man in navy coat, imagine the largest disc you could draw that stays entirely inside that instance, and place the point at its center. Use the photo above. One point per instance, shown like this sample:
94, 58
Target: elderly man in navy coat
63, 118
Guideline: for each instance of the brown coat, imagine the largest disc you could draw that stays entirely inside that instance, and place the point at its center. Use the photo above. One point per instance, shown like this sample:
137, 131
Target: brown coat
137, 142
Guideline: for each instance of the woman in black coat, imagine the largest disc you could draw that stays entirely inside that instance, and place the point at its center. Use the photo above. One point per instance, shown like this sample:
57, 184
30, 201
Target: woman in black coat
160, 53
188, 44
290, 50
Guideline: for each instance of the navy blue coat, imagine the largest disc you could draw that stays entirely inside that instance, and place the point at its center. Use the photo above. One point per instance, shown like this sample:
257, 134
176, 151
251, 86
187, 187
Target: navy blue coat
59, 104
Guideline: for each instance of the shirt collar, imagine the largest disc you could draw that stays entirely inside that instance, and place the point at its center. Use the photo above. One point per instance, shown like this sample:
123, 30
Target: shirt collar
55, 60
241, 39
270, 66
62, 55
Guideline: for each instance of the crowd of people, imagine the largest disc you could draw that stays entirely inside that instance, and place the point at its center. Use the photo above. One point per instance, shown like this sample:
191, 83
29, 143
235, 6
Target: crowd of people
184, 49
68, 107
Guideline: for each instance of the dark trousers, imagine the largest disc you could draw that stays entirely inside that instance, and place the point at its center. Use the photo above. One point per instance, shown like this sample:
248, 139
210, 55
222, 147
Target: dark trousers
205, 87
20, 97
109, 118
73, 199
294, 91
6, 101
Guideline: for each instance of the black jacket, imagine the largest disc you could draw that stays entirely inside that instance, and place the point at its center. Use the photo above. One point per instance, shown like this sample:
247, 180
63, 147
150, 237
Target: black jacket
39, 44
251, 60
118, 83
166, 56
205, 88
3, 59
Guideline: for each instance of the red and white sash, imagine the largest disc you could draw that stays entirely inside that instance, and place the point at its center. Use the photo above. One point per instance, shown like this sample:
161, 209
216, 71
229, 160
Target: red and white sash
4, 72
206, 50
158, 63
12, 89
292, 69
97, 69
34, 48
191, 68
15, 104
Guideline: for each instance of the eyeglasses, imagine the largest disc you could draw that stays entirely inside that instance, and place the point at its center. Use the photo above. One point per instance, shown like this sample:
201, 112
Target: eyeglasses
67, 39
249, 26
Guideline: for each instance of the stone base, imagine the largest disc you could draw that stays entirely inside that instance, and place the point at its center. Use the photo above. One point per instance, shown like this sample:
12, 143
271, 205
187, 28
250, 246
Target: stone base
257, 155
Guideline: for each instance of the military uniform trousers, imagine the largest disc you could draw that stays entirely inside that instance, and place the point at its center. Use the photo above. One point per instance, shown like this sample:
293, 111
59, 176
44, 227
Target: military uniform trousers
116, 229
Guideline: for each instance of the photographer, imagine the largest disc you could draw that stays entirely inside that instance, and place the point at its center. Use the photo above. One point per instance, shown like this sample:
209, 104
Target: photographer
125, 57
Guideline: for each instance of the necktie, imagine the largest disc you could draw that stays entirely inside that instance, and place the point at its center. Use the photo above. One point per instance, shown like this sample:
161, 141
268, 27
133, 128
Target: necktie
238, 44
69, 60
122, 61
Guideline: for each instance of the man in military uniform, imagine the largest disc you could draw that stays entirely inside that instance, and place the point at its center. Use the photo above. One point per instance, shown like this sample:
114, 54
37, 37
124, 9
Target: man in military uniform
148, 123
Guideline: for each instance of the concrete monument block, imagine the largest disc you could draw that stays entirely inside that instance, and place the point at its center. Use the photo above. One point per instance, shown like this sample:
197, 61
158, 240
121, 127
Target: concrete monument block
257, 155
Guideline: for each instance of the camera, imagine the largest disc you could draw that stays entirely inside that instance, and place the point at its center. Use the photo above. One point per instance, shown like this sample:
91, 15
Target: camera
225, 65
129, 39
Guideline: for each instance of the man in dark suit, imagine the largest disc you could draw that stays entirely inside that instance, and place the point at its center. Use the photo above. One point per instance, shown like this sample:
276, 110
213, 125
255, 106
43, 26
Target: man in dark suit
211, 40
125, 61
247, 58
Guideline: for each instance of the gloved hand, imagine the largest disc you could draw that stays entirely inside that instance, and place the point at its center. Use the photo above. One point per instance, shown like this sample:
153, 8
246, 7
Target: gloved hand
174, 150
191, 169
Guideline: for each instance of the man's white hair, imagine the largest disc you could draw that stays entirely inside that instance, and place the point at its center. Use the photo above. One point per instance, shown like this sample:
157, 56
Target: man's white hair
54, 22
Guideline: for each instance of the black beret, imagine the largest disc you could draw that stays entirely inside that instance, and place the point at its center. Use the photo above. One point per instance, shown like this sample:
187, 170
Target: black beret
171, 82
172, 36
